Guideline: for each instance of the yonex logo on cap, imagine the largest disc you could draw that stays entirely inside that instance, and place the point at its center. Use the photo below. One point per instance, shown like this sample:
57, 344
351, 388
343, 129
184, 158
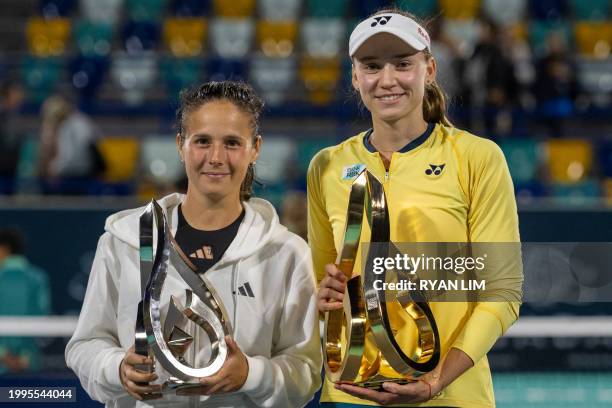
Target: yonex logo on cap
382, 20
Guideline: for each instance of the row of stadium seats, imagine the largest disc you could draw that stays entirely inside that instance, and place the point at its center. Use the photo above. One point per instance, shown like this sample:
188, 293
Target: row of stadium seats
233, 38
555, 167
150, 10
322, 79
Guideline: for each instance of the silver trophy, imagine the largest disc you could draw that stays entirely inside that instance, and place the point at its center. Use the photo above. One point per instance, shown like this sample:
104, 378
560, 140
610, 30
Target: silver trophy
168, 343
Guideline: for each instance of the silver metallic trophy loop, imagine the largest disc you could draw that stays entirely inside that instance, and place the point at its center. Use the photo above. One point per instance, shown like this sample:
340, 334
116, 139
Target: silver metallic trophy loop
168, 344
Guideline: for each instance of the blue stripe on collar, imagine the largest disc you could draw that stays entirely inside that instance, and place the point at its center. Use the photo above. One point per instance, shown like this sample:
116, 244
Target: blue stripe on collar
412, 145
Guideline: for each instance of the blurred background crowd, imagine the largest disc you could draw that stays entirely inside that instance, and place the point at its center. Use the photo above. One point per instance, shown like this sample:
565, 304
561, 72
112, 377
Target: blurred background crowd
89, 88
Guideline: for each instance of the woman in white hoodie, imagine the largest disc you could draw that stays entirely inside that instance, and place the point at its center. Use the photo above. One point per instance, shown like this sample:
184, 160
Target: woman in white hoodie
261, 272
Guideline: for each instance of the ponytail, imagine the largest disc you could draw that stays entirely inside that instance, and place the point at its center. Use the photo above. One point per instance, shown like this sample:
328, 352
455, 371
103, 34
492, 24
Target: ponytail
434, 105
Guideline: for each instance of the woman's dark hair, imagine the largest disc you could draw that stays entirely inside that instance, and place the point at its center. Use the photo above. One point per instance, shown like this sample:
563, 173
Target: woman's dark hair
434, 101
240, 94
12, 239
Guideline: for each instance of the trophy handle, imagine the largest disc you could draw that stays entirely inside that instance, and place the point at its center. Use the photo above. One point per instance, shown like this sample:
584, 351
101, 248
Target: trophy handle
427, 352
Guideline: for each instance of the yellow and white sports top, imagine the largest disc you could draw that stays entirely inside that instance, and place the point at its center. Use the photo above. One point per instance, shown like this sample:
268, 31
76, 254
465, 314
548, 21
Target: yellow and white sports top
445, 186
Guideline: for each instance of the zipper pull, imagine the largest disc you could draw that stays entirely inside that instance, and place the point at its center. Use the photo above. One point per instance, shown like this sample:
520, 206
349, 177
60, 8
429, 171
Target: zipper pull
387, 175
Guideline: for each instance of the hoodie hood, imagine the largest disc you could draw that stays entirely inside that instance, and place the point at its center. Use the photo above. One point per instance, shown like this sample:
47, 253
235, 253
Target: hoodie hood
259, 225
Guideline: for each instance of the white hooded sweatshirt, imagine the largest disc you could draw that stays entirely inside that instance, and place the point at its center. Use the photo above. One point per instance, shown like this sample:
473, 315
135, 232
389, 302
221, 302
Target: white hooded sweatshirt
276, 328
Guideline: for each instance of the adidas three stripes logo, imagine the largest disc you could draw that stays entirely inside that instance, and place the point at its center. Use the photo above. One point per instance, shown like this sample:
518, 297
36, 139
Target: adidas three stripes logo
245, 290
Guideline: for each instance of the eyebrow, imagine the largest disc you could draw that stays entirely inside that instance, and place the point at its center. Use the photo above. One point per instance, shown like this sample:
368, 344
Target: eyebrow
228, 136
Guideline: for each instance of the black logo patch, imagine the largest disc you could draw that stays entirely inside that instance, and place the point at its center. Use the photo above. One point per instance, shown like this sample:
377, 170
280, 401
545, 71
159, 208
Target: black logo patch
382, 20
435, 169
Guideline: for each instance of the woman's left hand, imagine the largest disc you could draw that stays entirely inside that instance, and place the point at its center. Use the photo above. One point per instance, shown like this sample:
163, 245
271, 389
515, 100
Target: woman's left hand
419, 391
229, 378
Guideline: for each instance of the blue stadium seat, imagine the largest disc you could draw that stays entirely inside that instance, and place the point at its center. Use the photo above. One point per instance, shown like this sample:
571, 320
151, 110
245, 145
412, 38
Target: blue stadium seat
87, 74
231, 38
220, 69
604, 157
140, 36
323, 37
190, 8
363, 8
56, 8
552, 10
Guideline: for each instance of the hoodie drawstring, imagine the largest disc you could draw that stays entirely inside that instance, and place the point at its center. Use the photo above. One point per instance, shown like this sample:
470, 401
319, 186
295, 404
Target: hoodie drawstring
235, 271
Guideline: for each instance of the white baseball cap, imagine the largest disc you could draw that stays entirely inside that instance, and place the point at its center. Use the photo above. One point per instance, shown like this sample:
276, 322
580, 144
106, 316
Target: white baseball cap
400, 26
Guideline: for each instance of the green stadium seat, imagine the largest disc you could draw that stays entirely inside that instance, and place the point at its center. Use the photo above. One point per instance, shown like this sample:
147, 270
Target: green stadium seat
307, 148
592, 10
539, 31
145, 10
93, 38
178, 73
40, 76
421, 8
587, 191
524, 157
326, 8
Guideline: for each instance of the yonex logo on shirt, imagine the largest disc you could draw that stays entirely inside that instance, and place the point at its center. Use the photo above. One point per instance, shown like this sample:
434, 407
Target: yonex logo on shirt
382, 20
435, 169
350, 172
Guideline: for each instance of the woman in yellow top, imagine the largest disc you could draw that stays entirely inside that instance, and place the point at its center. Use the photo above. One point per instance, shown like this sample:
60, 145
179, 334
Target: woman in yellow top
442, 184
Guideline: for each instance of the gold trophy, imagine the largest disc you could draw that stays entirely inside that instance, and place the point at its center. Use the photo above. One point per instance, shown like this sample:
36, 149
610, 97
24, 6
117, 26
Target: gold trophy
169, 343
377, 336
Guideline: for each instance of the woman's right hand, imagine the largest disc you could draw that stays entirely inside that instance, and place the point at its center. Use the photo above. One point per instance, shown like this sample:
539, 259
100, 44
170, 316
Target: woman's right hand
331, 289
135, 382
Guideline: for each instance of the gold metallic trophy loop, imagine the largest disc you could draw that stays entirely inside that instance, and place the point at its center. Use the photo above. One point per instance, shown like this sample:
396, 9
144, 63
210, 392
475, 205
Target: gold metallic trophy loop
365, 312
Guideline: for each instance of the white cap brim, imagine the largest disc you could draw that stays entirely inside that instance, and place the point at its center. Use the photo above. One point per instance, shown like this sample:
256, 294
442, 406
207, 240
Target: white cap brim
405, 28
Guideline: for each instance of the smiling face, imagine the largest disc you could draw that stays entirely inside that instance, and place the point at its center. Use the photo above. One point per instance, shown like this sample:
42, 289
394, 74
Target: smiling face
391, 76
217, 148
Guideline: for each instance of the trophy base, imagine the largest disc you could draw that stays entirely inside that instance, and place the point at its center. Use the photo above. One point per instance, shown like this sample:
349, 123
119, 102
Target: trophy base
173, 385
377, 382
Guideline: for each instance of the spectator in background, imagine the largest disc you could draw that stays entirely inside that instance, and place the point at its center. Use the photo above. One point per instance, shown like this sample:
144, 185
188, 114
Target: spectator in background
556, 86
24, 290
11, 98
69, 157
492, 67
294, 211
